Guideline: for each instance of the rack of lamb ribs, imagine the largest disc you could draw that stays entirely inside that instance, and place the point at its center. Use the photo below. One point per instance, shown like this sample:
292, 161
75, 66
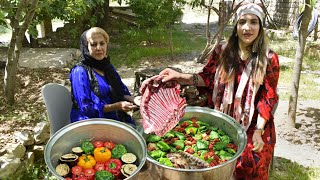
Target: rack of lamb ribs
161, 105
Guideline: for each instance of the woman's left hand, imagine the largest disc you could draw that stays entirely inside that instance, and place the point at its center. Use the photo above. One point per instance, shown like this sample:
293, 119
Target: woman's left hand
257, 141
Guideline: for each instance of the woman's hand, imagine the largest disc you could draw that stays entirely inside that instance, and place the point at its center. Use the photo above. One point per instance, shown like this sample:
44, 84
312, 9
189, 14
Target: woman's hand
126, 106
169, 74
257, 141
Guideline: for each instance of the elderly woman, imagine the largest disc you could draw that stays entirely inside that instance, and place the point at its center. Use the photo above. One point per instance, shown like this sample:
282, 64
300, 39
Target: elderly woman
241, 79
97, 89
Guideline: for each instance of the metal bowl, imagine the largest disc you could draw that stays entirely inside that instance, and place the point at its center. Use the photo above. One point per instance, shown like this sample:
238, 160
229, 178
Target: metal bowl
222, 171
100, 129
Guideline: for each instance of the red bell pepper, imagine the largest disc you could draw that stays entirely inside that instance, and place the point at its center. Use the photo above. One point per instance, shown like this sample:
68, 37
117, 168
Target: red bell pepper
113, 166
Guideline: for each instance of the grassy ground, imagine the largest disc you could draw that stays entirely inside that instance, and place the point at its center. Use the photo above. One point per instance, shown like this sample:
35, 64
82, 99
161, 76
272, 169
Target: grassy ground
132, 45
285, 169
286, 46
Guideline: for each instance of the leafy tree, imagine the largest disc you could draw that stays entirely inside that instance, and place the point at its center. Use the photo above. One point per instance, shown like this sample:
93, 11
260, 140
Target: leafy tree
20, 15
156, 13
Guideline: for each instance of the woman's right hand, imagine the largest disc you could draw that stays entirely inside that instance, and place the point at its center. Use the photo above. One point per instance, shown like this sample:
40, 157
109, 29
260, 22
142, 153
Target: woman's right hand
169, 74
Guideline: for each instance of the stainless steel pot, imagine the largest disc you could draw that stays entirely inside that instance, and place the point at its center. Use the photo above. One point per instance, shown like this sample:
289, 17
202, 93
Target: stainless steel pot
100, 129
223, 171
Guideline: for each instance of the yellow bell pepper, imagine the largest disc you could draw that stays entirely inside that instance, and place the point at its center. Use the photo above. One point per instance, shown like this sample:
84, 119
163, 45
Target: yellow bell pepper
86, 161
102, 154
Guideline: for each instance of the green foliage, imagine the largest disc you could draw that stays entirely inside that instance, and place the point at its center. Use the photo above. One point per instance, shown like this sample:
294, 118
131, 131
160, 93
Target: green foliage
157, 12
66, 10
307, 85
38, 171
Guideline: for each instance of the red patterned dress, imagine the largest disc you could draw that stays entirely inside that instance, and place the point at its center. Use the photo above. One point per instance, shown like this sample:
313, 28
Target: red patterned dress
250, 165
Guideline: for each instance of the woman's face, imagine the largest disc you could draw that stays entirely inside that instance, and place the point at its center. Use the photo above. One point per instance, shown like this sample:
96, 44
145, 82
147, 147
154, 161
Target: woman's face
248, 27
97, 46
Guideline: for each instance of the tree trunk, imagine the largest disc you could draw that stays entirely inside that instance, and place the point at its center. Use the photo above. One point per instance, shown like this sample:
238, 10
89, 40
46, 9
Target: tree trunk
23, 15
218, 36
47, 26
303, 33
103, 21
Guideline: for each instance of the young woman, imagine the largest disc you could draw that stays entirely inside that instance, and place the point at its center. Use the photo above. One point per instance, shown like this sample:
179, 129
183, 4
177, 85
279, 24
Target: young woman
97, 89
241, 79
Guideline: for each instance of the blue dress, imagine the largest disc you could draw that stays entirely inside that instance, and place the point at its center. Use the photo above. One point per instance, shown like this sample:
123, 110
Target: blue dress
90, 105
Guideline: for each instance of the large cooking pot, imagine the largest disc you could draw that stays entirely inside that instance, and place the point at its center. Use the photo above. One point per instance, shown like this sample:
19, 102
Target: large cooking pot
223, 171
100, 129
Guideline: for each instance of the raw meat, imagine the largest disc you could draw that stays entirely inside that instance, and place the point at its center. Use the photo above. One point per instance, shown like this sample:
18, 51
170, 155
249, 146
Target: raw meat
161, 106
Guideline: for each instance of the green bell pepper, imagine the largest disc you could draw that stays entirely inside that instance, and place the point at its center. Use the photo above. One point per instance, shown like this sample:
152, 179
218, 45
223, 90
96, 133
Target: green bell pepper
104, 175
231, 151
202, 145
221, 132
178, 144
224, 155
118, 151
201, 123
165, 161
219, 146
202, 129
87, 147
214, 135
157, 154
213, 128
191, 130
180, 135
197, 136
169, 134
163, 146
225, 139
153, 138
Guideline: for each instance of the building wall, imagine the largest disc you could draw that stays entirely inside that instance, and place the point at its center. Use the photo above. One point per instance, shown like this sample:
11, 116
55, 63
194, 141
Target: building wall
285, 12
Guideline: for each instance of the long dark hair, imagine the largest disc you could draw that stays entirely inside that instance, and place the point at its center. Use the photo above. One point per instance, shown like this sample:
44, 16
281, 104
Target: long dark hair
230, 54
